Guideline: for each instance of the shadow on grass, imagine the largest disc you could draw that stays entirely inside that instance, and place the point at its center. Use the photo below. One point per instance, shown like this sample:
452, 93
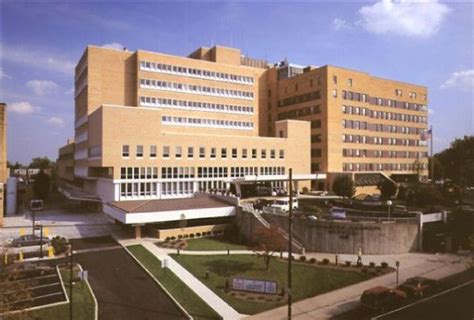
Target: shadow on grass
227, 268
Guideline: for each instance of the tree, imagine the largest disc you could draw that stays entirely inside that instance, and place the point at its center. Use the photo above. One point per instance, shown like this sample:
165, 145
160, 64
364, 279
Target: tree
269, 241
458, 161
41, 163
387, 188
343, 186
42, 185
438, 168
427, 194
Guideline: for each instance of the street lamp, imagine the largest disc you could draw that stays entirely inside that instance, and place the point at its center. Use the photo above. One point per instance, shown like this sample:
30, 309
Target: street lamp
397, 263
389, 204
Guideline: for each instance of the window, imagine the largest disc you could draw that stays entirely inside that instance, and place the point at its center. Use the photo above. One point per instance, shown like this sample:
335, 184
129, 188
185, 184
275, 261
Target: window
166, 151
179, 152
334, 79
244, 153
223, 153
272, 154
213, 152
152, 151
234, 152
202, 152
126, 151
264, 153
139, 151
349, 82
254, 153
334, 93
190, 152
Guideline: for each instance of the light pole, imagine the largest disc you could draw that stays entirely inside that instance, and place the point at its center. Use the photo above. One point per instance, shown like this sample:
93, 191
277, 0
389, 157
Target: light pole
290, 238
70, 279
389, 204
397, 263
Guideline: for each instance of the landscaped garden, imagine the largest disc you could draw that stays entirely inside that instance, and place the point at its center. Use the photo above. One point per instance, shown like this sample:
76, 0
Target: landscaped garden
310, 278
193, 304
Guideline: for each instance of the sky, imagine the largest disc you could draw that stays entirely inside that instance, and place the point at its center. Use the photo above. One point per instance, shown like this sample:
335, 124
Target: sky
428, 43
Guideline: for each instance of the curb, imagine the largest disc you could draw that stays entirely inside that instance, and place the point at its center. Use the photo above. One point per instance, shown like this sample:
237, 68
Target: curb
96, 304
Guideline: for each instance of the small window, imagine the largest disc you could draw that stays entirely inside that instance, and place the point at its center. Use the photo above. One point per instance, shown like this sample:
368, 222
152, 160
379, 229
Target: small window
264, 153
244, 153
234, 153
334, 93
126, 151
190, 152
139, 151
202, 152
272, 154
254, 153
179, 152
349, 82
334, 79
152, 151
282, 154
166, 151
223, 153
213, 152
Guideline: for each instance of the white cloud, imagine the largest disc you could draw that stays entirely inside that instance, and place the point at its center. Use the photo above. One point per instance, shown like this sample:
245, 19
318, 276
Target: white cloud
22, 107
463, 80
38, 58
340, 24
404, 17
56, 121
3, 75
42, 87
114, 45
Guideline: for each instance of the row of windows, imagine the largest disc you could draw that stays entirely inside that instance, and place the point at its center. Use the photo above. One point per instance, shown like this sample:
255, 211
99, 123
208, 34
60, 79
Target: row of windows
352, 138
363, 97
207, 123
299, 112
196, 73
299, 99
244, 154
364, 153
362, 125
191, 88
138, 173
383, 166
194, 105
138, 189
383, 115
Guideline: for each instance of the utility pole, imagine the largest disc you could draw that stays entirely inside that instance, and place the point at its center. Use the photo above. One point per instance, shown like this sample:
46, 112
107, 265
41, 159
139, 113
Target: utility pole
41, 240
70, 280
432, 159
290, 239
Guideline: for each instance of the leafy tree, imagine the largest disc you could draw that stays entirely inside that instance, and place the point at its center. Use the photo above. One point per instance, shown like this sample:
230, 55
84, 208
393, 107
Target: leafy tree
458, 161
41, 163
438, 168
343, 186
427, 194
42, 185
387, 188
269, 241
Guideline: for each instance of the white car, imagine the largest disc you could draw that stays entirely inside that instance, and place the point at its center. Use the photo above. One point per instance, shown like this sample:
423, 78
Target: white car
284, 204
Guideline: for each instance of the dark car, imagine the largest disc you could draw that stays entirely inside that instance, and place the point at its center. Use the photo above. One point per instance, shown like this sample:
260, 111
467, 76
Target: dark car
260, 203
382, 299
419, 287
29, 240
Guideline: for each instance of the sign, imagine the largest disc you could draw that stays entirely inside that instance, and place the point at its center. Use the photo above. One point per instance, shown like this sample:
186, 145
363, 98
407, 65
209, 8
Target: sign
260, 286
164, 263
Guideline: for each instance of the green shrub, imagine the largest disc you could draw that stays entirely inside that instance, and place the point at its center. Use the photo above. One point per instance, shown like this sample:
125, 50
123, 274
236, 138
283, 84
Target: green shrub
198, 234
372, 264
384, 265
173, 238
180, 236
302, 258
191, 235
325, 261
364, 270
348, 263
312, 260
60, 244
167, 239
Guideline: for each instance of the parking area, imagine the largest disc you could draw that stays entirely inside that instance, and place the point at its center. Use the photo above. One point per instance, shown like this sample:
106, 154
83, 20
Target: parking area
123, 289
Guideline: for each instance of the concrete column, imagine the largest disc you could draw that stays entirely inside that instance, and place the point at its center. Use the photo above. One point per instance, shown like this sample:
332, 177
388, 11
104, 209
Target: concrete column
295, 184
227, 186
138, 232
237, 189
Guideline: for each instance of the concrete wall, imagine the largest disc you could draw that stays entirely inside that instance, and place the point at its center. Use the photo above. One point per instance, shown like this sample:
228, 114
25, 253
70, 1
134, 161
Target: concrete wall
348, 237
164, 233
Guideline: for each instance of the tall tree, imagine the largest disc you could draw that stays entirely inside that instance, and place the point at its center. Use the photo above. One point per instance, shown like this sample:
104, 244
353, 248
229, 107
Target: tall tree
269, 241
458, 161
41, 163
343, 186
387, 188
41, 186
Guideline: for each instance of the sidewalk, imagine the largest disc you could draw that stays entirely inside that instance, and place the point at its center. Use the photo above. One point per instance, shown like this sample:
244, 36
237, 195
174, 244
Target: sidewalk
214, 301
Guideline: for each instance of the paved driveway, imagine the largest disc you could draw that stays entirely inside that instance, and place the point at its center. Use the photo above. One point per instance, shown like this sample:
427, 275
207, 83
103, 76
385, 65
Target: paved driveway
123, 289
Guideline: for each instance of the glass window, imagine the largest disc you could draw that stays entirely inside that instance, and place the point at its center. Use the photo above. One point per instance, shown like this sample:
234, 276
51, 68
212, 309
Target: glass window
190, 152
254, 153
224, 153
264, 153
334, 93
282, 154
234, 152
152, 151
213, 152
244, 153
202, 152
272, 154
126, 150
166, 151
139, 151
179, 152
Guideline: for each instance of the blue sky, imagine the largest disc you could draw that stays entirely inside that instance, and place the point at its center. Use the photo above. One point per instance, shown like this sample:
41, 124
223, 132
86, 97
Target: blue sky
424, 43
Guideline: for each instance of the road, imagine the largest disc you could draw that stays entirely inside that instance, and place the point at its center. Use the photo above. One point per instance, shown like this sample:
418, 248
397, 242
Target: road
123, 289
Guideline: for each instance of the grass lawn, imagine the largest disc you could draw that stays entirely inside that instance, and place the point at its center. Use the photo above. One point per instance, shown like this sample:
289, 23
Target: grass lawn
308, 280
193, 304
215, 243
83, 307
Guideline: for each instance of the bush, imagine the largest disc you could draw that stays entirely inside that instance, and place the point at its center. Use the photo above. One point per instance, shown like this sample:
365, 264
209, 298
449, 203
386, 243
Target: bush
191, 235
60, 244
180, 236
302, 258
372, 264
167, 239
305, 190
325, 261
312, 260
198, 234
173, 238
186, 236
384, 265
364, 270
348, 263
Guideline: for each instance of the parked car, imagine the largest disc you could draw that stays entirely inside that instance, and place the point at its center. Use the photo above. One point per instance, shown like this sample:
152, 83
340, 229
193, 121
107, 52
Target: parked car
382, 299
284, 204
260, 203
338, 213
29, 240
419, 287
